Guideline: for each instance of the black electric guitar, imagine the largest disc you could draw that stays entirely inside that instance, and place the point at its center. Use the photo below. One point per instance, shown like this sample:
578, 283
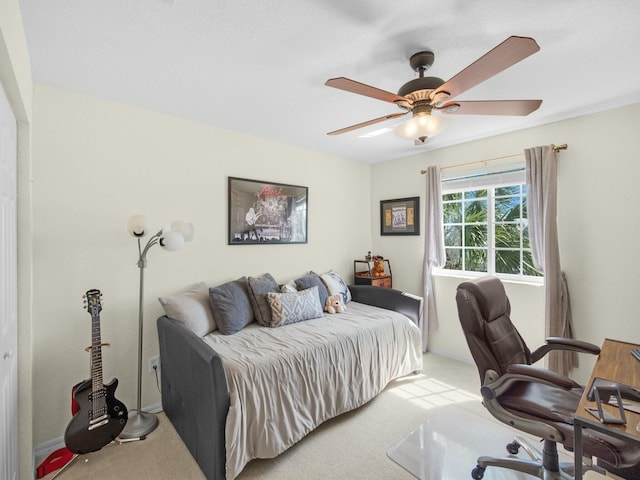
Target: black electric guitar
99, 416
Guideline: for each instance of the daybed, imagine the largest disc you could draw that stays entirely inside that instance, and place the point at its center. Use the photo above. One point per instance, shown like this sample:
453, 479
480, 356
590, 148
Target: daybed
255, 392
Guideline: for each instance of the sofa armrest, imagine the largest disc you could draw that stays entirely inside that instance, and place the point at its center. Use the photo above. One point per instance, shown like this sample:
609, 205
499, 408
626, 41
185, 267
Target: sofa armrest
405, 303
194, 394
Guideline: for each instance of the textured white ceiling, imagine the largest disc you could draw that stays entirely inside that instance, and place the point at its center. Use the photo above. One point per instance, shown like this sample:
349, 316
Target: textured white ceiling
259, 67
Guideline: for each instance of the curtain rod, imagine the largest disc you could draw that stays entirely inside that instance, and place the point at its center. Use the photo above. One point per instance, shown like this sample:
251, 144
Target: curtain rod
564, 146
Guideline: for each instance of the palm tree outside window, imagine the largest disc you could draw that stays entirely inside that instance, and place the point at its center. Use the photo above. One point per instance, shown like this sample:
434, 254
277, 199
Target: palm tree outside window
486, 230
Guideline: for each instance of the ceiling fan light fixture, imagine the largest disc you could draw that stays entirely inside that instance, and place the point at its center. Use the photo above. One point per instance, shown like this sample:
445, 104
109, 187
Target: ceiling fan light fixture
438, 98
450, 108
422, 126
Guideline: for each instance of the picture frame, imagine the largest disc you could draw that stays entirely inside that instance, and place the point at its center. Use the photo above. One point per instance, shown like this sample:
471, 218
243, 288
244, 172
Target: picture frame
264, 212
400, 216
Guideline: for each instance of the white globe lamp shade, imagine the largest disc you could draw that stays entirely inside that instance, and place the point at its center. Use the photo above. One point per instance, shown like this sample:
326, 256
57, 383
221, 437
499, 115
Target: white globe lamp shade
138, 226
171, 241
186, 229
189, 232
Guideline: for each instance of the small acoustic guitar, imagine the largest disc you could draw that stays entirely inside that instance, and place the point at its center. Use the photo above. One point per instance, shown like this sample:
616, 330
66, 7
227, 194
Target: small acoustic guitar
99, 417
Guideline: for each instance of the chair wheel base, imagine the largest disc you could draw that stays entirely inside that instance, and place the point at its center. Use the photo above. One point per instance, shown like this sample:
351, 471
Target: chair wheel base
477, 473
513, 448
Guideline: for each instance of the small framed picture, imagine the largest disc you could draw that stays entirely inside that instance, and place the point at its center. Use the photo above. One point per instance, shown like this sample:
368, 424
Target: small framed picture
400, 216
263, 212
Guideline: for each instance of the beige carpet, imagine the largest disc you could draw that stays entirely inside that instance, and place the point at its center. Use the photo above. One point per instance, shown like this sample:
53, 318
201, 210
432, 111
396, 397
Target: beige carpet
352, 446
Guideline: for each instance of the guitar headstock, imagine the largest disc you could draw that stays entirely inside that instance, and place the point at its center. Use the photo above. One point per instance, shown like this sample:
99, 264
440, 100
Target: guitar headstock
92, 301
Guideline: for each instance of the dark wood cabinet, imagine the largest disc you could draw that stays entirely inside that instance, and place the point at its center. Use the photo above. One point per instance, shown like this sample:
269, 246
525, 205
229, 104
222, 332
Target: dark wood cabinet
366, 273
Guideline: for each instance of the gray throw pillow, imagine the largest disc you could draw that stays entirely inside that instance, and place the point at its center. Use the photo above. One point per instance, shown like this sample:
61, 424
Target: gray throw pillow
231, 306
313, 280
258, 289
287, 308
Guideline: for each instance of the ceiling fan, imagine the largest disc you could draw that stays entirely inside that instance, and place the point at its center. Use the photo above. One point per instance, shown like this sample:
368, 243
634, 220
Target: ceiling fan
424, 95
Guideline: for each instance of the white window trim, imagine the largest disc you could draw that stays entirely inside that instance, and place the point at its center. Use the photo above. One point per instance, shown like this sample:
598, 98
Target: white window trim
442, 272
475, 179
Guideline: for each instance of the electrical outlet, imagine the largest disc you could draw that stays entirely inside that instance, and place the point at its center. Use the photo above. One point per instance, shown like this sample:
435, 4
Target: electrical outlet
154, 364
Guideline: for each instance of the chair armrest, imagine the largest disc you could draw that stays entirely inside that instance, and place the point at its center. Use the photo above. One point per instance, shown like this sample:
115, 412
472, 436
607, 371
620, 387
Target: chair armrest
493, 387
560, 343
524, 373
548, 376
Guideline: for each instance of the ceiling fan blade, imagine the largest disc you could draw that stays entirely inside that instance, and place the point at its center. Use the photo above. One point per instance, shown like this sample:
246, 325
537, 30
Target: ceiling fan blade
365, 124
352, 86
508, 53
491, 107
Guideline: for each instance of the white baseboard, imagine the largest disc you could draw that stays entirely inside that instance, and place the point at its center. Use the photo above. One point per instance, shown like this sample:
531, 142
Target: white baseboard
43, 450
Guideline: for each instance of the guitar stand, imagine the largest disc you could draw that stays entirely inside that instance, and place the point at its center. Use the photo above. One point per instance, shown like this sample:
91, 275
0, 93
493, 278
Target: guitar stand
60, 458
127, 440
64, 467
57, 459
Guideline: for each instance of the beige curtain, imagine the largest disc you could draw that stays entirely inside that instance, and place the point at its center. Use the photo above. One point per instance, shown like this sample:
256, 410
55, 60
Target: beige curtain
434, 253
542, 186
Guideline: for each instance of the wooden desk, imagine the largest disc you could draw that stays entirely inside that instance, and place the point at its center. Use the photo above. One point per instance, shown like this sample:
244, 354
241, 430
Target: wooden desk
615, 363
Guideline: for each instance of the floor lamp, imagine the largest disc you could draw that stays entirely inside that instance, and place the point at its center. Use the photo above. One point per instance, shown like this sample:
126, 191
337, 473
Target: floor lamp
170, 238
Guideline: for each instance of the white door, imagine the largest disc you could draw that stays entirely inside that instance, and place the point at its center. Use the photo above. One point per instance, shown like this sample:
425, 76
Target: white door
8, 295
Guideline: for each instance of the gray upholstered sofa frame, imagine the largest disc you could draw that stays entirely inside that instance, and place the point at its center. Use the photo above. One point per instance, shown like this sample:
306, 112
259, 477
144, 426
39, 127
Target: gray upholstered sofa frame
194, 388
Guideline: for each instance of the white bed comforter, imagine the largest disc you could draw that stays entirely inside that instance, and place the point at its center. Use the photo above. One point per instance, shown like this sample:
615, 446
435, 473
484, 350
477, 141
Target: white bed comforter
283, 382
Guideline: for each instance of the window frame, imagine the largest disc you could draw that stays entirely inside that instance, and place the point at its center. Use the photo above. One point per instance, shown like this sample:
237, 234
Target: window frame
490, 181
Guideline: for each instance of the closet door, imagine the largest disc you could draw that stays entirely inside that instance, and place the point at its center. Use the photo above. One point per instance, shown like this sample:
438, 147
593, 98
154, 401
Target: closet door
8, 295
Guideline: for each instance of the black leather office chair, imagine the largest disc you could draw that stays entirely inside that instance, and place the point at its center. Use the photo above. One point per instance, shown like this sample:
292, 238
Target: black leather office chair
530, 399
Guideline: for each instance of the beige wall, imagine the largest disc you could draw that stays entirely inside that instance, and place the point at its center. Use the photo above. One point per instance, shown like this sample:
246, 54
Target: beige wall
95, 163
597, 185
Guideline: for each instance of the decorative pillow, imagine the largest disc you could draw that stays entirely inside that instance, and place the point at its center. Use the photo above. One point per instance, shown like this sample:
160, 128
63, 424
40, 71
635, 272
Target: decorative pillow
289, 287
287, 308
231, 306
336, 285
191, 309
258, 289
313, 280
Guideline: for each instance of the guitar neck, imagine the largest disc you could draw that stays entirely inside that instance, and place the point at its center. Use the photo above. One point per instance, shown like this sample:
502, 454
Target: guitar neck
97, 384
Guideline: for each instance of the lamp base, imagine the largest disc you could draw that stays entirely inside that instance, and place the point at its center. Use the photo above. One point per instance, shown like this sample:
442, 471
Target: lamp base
139, 425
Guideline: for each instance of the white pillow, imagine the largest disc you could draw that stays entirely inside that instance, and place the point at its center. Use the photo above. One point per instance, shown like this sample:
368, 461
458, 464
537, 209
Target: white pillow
336, 285
192, 309
289, 287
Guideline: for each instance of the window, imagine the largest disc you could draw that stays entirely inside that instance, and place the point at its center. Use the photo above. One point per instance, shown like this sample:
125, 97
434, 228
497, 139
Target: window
485, 225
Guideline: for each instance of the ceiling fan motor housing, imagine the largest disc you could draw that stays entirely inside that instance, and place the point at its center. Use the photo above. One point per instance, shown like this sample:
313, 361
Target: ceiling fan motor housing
420, 88
421, 61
